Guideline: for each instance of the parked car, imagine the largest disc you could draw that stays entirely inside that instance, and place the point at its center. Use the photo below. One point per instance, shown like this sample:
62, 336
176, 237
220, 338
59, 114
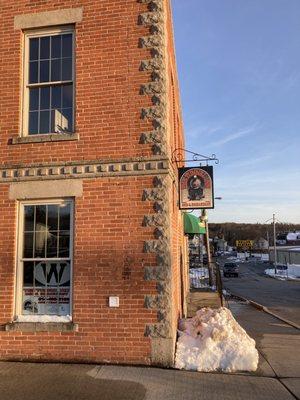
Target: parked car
281, 267
230, 269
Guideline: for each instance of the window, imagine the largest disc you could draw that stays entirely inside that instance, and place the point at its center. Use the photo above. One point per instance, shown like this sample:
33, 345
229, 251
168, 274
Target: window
45, 258
49, 82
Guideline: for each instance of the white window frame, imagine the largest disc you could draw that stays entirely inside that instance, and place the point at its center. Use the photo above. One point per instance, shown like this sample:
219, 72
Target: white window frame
19, 269
35, 33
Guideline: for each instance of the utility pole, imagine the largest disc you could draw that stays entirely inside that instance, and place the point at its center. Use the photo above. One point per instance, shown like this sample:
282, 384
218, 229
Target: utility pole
204, 218
275, 250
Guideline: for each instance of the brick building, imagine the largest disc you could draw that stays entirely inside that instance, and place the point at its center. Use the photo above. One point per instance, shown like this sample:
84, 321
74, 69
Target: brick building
92, 249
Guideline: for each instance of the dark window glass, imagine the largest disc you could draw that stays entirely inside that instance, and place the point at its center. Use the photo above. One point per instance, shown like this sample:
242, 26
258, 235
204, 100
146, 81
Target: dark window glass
44, 121
33, 99
29, 218
56, 46
28, 245
67, 119
67, 69
33, 71
28, 273
56, 97
33, 122
40, 274
33, 49
51, 61
64, 244
40, 215
67, 45
64, 217
44, 71
51, 250
44, 48
45, 98
55, 70
67, 96
53, 217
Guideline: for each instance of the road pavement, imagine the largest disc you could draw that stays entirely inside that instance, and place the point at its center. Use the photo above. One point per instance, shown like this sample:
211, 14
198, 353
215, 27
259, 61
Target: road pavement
281, 297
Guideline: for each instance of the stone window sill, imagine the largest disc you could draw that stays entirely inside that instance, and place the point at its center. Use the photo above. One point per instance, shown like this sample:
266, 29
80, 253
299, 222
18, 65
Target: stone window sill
50, 137
41, 327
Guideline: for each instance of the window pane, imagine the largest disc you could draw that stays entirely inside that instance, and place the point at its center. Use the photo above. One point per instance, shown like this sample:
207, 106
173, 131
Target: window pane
28, 218
56, 97
28, 245
56, 70
33, 49
44, 71
67, 45
44, 121
28, 273
33, 72
67, 69
64, 244
33, 99
66, 121
51, 250
40, 274
45, 98
67, 96
45, 48
64, 217
40, 241
33, 122
40, 215
53, 217
56, 46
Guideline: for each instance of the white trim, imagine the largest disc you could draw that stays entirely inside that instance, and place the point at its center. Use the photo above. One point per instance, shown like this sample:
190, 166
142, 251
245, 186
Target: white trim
19, 253
36, 33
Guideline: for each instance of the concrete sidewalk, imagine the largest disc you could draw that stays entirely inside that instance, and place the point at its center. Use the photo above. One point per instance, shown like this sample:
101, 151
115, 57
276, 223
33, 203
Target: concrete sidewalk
277, 376
85, 382
277, 342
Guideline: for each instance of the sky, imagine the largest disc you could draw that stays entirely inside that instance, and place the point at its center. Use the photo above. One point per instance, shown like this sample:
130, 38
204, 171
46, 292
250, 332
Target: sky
239, 73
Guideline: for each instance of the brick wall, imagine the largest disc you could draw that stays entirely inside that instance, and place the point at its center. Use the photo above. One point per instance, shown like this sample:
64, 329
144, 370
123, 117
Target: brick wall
109, 240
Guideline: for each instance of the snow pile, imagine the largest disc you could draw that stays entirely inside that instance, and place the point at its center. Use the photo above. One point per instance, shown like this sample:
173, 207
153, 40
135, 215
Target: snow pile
44, 318
292, 272
214, 341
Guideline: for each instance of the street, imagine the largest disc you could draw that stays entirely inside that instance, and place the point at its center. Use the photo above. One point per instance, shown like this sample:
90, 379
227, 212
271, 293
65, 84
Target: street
281, 297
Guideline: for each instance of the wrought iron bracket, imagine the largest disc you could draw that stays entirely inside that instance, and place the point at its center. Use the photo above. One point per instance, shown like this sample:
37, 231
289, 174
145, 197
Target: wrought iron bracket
183, 155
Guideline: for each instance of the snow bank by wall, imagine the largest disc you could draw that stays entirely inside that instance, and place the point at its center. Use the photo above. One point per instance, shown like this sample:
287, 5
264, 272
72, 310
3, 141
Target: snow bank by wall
292, 272
214, 341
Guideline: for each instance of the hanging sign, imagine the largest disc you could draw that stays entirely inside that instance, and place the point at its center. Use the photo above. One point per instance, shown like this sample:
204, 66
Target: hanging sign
196, 189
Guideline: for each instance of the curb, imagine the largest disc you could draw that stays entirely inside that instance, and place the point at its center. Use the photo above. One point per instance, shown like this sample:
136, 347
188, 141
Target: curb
266, 310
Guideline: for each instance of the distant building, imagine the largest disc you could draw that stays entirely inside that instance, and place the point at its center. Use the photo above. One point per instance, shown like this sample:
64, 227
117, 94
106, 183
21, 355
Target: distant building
286, 255
261, 244
288, 238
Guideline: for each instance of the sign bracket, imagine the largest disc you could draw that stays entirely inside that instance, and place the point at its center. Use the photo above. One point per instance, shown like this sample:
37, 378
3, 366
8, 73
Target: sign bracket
180, 156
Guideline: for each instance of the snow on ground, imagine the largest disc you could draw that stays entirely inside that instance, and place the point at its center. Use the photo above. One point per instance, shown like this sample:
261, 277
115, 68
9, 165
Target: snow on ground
197, 277
292, 272
214, 341
43, 318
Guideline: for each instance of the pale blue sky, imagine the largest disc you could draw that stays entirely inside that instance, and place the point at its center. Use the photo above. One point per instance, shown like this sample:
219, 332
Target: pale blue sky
239, 73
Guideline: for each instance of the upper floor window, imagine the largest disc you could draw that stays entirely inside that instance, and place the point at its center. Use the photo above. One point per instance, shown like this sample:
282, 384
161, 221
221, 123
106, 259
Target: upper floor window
49, 82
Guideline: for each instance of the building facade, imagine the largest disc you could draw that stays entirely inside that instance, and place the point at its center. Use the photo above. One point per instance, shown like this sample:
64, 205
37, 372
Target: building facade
92, 252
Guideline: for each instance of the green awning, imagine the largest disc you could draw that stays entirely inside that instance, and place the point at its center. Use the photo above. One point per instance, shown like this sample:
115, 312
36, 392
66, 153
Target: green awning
192, 224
